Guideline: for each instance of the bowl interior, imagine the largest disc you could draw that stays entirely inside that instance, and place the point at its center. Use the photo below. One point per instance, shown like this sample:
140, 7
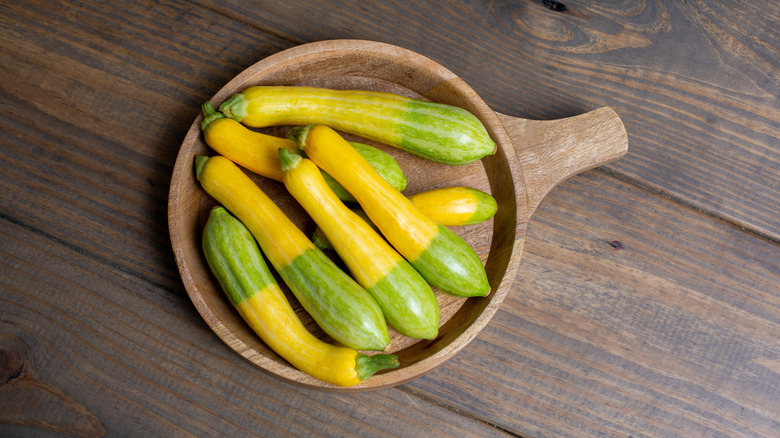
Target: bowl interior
349, 64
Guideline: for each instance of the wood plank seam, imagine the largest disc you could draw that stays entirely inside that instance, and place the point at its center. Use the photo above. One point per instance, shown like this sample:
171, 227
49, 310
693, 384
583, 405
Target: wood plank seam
685, 204
244, 23
453, 409
90, 254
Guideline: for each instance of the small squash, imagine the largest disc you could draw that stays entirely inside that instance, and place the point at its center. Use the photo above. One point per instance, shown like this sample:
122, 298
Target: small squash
455, 206
449, 206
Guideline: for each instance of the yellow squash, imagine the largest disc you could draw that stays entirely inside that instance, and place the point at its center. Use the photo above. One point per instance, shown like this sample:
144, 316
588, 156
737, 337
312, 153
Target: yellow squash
334, 300
237, 263
442, 257
253, 150
406, 299
449, 206
257, 152
454, 206
435, 131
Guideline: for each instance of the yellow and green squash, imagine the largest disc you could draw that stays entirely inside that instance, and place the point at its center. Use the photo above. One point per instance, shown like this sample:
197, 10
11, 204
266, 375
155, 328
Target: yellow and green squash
455, 206
406, 299
435, 131
256, 151
444, 259
449, 206
238, 265
340, 306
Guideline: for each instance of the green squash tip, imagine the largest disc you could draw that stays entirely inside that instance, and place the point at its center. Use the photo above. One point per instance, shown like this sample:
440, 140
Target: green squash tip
218, 210
234, 107
200, 163
289, 158
209, 115
367, 366
298, 135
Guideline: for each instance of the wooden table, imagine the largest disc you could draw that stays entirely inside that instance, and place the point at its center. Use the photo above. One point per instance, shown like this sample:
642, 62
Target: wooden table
648, 297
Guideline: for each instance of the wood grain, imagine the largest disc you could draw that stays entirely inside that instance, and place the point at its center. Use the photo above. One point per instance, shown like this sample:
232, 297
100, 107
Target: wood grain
28, 401
551, 151
95, 103
96, 98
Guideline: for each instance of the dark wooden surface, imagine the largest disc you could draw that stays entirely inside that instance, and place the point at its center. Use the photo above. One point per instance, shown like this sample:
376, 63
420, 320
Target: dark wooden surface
648, 297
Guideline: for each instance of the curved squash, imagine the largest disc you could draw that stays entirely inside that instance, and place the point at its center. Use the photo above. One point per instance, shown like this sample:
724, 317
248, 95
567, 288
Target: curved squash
442, 257
406, 299
334, 300
256, 151
235, 260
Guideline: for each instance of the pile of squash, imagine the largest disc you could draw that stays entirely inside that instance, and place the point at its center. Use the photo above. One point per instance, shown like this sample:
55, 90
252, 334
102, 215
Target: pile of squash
396, 248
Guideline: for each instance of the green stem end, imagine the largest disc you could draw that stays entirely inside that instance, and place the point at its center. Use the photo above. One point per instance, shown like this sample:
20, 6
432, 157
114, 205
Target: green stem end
234, 107
366, 366
200, 163
298, 135
289, 158
209, 115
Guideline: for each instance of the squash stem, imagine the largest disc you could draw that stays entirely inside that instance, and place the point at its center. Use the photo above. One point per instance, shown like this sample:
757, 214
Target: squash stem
366, 366
234, 107
298, 135
209, 115
200, 162
289, 158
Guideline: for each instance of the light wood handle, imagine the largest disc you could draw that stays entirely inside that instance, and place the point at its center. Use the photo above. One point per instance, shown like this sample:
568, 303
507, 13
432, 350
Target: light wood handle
551, 151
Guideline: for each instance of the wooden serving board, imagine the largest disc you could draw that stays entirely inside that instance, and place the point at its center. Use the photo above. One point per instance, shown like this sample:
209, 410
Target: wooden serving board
532, 157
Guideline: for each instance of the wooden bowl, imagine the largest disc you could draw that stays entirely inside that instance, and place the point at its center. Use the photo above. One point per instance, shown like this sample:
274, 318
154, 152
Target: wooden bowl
532, 157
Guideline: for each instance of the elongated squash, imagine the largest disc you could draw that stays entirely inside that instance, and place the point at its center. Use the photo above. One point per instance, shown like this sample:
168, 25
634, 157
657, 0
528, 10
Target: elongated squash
236, 262
441, 256
256, 151
334, 300
253, 150
320, 240
406, 299
384, 164
435, 131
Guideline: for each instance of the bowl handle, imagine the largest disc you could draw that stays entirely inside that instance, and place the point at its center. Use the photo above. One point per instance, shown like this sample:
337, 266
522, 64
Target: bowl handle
551, 151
